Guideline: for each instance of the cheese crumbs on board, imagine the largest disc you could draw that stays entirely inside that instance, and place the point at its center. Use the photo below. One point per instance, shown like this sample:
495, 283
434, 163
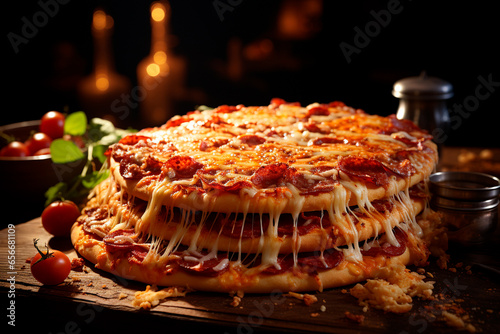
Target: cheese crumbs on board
392, 290
151, 296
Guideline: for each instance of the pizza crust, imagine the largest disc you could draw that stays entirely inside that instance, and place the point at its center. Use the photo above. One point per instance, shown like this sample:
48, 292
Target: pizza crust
315, 240
289, 202
344, 274
271, 161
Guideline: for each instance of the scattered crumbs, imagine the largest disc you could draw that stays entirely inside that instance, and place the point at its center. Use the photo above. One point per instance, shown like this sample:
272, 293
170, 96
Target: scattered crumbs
393, 289
457, 322
237, 296
430, 275
421, 271
489, 310
77, 264
453, 270
322, 308
104, 286
151, 297
459, 265
310, 299
359, 318
343, 291
314, 315
236, 301
90, 284
122, 296
307, 298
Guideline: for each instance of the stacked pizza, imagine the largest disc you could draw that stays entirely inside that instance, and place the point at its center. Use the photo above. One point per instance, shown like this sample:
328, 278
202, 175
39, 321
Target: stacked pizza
257, 199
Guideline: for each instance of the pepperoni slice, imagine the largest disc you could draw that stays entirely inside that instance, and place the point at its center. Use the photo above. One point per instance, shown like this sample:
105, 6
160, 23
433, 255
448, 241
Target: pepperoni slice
369, 170
211, 267
276, 102
133, 139
266, 176
113, 244
336, 104
320, 110
388, 249
327, 140
184, 166
309, 262
130, 169
230, 186
403, 125
134, 252
225, 109
252, 140
176, 121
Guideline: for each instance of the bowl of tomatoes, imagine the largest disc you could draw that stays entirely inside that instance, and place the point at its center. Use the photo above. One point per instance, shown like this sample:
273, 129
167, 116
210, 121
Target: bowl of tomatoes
26, 166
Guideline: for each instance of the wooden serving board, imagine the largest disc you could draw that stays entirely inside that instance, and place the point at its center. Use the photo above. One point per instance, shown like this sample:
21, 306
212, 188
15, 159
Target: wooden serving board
89, 300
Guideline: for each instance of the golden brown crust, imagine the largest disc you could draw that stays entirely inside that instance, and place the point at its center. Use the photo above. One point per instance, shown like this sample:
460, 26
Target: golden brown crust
315, 239
344, 274
242, 202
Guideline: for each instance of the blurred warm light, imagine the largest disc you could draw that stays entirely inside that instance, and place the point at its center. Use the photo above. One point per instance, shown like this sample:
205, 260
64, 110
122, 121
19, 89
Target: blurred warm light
160, 57
101, 20
153, 70
157, 12
102, 83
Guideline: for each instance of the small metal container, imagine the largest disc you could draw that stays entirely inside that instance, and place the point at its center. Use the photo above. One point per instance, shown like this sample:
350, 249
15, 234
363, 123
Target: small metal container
423, 101
468, 203
469, 186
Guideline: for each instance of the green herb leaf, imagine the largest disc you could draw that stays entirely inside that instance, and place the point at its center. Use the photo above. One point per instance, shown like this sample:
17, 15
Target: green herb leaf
55, 192
93, 179
64, 151
99, 151
76, 124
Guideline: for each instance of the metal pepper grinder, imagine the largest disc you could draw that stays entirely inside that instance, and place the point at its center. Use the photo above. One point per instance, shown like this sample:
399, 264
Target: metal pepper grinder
423, 101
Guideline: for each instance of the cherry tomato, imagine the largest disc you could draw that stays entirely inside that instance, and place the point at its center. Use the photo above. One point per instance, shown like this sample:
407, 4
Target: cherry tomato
15, 149
37, 142
43, 151
59, 216
52, 124
50, 267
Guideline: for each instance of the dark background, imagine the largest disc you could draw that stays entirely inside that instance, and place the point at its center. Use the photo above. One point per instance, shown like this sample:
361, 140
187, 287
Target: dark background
455, 41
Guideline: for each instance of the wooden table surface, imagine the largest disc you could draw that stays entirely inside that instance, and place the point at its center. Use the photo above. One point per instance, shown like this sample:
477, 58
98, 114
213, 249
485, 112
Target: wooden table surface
88, 301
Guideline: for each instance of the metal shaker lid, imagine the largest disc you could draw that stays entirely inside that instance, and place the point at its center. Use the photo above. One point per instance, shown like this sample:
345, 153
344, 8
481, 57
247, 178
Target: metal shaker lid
423, 87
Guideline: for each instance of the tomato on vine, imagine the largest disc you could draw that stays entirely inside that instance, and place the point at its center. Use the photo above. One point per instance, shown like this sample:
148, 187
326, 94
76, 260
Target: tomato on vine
50, 267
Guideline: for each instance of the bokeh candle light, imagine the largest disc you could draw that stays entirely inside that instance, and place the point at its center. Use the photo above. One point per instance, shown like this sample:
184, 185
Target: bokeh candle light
104, 85
153, 71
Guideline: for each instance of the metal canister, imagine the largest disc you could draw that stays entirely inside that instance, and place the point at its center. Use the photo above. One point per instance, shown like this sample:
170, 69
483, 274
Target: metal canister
468, 203
422, 99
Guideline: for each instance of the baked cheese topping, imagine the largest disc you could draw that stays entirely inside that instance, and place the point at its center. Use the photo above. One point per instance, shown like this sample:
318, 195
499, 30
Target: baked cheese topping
257, 165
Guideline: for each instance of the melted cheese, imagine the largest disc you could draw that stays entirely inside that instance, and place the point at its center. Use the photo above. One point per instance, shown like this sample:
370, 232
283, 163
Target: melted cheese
287, 139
